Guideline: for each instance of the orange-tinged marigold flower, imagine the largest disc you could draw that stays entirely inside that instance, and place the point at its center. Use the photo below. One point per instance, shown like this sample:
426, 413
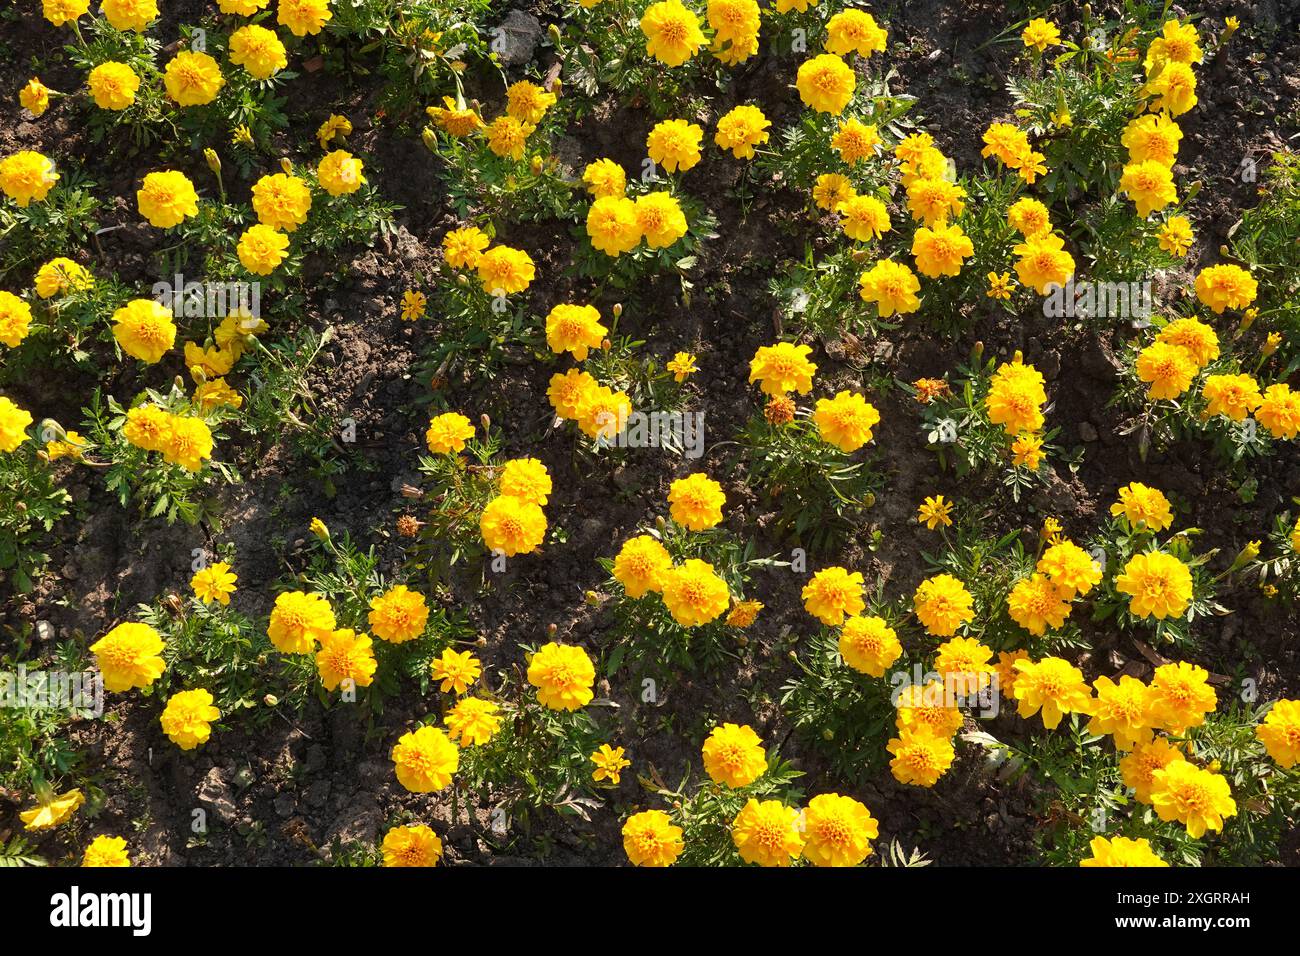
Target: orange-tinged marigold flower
1037, 603
694, 593
864, 217
1226, 287
837, 831
825, 83
1121, 851
1280, 733
414, 845
456, 669
845, 421
1234, 396
504, 270
1158, 584
303, 17
1174, 88
641, 564
512, 526
1196, 798
604, 177
34, 97
1043, 262
696, 502
398, 615
935, 512
941, 251
613, 226
855, 140
650, 838
1152, 137
1052, 686
15, 319
27, 175
528, 102
299, 621
892, 286
833, 594
767, 833
1016, 398
474, 721
920, 758
733, 755
447, 433
869, 644
943, 604
1070, 568
1122, 710
187, 718
1279, 411
783, 367
106, 851
672, 32
1179, 697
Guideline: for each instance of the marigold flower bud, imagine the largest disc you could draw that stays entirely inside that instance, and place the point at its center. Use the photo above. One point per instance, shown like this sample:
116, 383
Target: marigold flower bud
430, 140
213, 160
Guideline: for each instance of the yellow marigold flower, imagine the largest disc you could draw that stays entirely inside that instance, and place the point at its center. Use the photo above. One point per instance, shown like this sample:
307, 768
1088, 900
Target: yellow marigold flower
1158, 584
261, 249
1153, 137
1196, 798
1036, 603
1000, 286
920, 758
1052, 685
1179, 697
681, 365
743, 613
144, 329
1149, 184
504, 270
837, 831
865, 217
935, 511
563, 675
303, 17
243, 8
106, 851
694, 593
1029, 217
72, 446
398, 615
512, 526
1040, 34
641, 564
575, 329
964, 663
192, 78
1168, 368
1280, 733
15, 319
456, 118
528, 102
1226, 287
933, 201
831, 189
825, 83
696, 502
167, 199
299, 621
604, 413
1178, 43
610, 764
845, 421
1175, 89
1070, 568
187, 718
26, 175
869, 645
1279, 411
414, 305
425, 759
833, 594
339, 173
1016, 398
258, 50
59, 12
929, 708
570, 393
604, 177
508, 137
612, 225
526, 479
414, 845
675, 144
281, 201
52, 811
892, 286
1175, 235
741, 129
782, 368
146, 427
334, 127
1122, 710
940, 251
785, 6
130, 14
1138, 768
216, 582
855, 141
463, 247
1199, 339
943, 604
651, 839
1043, 262
1006, 671
474, 721
113, 86
35, 97
767, 833
733, 21
130, 655
1143, 507
242, 135
1121, 851
1006, 142
457, 670
854, 31
779, 410
61, 275
672, 32
1027, 451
